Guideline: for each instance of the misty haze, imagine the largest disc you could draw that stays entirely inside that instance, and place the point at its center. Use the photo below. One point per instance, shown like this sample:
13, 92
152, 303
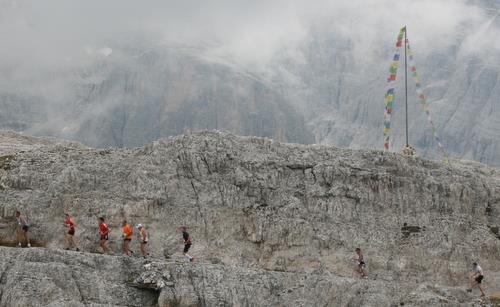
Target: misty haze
122, 74
249, 153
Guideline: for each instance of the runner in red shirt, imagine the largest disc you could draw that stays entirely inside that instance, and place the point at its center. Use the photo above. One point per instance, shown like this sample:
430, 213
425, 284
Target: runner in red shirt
103, 232
69, 237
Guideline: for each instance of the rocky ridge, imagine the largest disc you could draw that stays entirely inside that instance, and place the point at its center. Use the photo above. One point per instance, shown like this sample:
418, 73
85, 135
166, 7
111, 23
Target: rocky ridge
273, 224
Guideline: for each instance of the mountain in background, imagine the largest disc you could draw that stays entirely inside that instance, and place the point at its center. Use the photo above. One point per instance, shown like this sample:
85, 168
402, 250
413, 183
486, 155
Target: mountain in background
322, 91
134, 96
341, 95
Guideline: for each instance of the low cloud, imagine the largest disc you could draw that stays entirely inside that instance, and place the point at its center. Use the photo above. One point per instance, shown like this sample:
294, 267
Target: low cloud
46, 33
43, 42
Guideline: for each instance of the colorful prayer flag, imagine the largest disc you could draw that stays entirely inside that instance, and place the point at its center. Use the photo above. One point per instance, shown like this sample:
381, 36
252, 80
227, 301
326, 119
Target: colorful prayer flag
423, 101
390, 94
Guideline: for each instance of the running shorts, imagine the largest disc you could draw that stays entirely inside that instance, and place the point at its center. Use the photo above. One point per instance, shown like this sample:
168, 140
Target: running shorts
479, 279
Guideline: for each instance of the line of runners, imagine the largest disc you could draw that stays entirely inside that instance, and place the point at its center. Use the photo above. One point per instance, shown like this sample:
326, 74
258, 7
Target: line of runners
104, 231
476, 277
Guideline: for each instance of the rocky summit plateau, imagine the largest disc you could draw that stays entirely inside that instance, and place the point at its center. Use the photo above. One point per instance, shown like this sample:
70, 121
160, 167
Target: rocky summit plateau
273, 224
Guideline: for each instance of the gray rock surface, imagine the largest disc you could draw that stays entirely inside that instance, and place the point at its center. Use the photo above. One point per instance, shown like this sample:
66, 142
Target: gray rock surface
273, 224
42, 277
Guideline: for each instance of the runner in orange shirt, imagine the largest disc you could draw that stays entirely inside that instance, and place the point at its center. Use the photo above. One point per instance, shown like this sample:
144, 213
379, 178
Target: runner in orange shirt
127, 237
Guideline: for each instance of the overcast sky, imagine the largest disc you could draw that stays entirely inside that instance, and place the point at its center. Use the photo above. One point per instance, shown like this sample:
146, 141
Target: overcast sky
55, 32
52, 50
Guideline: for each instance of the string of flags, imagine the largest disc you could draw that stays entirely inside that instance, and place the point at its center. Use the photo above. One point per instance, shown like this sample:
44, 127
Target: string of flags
423, 99
390, 94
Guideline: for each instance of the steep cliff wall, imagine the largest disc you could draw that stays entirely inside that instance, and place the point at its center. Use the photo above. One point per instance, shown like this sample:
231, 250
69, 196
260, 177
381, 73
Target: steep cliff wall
139, 96
266, 217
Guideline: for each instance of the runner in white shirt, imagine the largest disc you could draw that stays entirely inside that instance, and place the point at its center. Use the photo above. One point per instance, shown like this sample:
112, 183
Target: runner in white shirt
476, 278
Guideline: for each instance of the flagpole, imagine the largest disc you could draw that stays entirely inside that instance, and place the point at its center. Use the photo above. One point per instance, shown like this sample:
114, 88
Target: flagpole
406, 91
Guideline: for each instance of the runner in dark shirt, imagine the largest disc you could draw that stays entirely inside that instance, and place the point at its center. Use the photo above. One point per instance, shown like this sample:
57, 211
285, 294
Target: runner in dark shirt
361, 262
187, 242
22, 231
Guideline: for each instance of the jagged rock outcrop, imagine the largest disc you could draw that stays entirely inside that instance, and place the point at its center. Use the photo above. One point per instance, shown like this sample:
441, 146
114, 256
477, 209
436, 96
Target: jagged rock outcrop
273, 224
41, 277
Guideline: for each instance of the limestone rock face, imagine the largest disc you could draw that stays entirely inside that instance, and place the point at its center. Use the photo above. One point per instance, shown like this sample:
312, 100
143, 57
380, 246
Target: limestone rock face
273, 224
42, 277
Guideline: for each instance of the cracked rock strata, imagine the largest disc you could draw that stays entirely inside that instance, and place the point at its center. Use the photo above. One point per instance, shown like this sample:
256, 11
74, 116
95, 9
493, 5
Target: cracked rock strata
258, 209
42, 277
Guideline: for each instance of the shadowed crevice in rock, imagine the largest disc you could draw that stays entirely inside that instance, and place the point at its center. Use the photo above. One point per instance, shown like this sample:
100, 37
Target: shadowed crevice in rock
41, 277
